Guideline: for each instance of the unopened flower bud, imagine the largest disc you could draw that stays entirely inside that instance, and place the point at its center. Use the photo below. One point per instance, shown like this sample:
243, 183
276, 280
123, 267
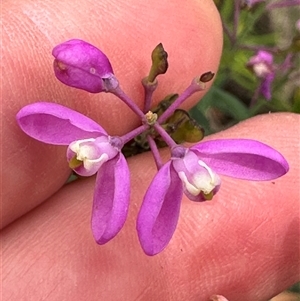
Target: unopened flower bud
206, 77
159, 62
81, 65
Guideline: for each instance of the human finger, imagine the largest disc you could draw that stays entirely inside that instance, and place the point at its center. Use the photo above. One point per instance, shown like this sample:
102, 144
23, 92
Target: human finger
126, 31
243, 244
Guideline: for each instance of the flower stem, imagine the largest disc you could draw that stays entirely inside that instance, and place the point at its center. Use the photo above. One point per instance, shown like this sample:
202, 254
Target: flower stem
228, 32
128, 101
259, 47
155, 152
255, 97
127, 137
149, 88
166, 137
282, 4
237, 8
195, 86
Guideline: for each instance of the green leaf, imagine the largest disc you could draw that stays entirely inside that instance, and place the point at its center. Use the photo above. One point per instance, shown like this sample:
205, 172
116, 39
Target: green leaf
164, 104
201, 118
225, 102
296, 101
183, 128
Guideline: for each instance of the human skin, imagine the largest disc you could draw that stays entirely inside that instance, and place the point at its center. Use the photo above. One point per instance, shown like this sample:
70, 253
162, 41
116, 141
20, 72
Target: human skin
243, 244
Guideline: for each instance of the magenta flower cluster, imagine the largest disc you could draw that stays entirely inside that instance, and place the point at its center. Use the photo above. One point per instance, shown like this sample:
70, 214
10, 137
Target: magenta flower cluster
265, 69
91, 150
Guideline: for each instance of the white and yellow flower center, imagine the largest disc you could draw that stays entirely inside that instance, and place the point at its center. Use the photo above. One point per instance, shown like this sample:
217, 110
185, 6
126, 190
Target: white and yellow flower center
261, 69
86, 153
201, 181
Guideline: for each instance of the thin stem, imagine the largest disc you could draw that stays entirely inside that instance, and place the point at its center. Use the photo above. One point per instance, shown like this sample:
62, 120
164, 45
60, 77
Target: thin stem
155, 152
149, 88
228, 32
195, 86
166, 137
128, 101
259, 47
255, 96
127, 137
237, 8
281, 4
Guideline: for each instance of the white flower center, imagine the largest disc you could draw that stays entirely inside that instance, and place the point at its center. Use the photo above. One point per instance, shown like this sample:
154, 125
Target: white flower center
201, 181
261, 69
85, 152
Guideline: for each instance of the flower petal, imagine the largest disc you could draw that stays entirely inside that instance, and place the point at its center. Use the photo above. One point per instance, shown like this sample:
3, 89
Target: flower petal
159, 212
55, 124
262, 57
242, 158
111, 199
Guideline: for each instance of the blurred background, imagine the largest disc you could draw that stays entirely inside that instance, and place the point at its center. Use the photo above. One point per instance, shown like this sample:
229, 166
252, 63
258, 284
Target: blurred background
259, 73
259, 69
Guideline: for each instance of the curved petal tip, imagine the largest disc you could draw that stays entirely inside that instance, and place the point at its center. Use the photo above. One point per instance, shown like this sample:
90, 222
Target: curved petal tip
111, 199
159, 213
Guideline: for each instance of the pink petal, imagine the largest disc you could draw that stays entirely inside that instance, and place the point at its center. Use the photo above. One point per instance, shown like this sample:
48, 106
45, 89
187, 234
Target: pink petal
262, 57
242, 158
159, 212
55, 124
111, 199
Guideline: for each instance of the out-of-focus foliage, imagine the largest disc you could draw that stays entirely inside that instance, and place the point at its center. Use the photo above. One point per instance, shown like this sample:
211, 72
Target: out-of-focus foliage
249, 29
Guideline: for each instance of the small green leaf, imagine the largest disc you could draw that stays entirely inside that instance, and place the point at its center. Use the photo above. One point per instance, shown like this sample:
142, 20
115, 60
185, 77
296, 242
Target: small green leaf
183, 128
159, 62
164, 104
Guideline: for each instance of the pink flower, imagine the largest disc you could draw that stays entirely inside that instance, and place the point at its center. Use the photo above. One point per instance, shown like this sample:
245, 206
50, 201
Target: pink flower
194, 171
90, 151
263, 67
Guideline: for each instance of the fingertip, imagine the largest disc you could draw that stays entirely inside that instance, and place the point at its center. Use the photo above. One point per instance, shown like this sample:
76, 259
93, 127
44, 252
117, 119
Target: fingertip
190, 31
126, 32
249, 229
